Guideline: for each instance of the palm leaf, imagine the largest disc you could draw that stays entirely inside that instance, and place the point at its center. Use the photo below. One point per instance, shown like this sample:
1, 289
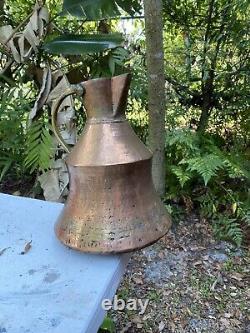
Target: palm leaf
99, 9
5, 164
81, 44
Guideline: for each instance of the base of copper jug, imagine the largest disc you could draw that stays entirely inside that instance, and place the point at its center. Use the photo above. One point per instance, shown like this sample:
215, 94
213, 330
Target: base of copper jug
105, 252
111, 248
116, 210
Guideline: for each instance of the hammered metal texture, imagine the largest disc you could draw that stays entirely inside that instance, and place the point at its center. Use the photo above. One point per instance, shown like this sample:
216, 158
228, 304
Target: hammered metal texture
112, 206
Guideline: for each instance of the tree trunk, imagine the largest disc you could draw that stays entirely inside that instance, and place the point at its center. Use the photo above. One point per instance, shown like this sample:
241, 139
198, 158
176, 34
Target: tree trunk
207, 105
156, 89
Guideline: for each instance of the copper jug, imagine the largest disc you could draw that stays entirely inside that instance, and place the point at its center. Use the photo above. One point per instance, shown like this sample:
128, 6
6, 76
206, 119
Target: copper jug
112, 205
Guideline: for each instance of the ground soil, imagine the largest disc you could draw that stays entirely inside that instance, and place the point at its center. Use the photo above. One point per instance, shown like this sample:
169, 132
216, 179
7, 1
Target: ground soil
25, 187
194, 283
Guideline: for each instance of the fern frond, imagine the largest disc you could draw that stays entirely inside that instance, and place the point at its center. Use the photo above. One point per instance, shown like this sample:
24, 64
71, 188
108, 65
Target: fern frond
245, 215
182, 175
39, 147
207, 205
228, 229
183, 137
236, 164
5, 164
206, 165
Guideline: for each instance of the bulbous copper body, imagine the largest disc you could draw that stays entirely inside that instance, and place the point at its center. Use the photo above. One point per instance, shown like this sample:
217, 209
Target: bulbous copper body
112, 205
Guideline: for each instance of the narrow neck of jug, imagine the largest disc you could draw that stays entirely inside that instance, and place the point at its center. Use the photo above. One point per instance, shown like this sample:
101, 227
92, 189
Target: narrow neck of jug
106, 98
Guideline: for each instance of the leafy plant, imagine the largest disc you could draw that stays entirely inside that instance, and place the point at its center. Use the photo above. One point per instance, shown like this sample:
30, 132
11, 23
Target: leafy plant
228, 228
14, 104
100, 9
207, 148
198, 168
40, 147
107, 326
91, 11
182, 175
82, 44
6, 162
206, 165
117, 59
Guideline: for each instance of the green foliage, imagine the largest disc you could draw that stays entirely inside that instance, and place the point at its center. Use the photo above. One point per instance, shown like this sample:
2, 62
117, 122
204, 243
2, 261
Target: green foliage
14, 104
200, 169
117, 59
205, 165
17, 10
207, 51
108, 326
137, 104
99, 9
228, 229
182, 175
92, 11
6, 162
183, 139
81, 44
110, 63
40, 148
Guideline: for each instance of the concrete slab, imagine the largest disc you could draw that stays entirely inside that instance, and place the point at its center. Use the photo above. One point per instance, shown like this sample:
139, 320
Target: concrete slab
50, 289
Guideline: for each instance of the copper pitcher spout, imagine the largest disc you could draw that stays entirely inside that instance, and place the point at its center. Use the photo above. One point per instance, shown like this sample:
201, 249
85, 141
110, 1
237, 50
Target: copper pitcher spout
120, 87
105, 98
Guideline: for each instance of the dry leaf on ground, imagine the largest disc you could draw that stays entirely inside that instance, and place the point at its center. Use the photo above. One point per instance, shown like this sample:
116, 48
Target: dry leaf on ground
3, 250
27, 248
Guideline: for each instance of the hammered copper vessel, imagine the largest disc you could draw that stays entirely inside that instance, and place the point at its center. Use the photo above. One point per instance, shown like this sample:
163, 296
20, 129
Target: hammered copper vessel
112, 205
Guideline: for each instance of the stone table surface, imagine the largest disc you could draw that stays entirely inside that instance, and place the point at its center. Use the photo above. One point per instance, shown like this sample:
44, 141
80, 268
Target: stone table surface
50, 288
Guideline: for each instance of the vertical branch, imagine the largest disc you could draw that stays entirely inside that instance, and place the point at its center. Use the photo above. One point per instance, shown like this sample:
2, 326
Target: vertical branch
156, 89
206, 78
187, 44
187, 53
207, 34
